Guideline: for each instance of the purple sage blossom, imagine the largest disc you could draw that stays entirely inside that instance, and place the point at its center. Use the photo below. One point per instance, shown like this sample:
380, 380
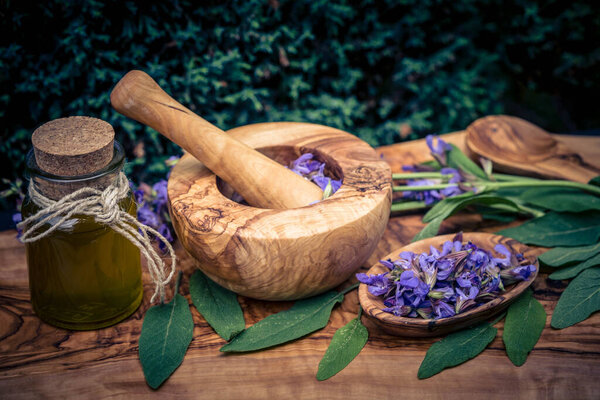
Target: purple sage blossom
442, 309
16, 218
446, 281
378, 284
147, 216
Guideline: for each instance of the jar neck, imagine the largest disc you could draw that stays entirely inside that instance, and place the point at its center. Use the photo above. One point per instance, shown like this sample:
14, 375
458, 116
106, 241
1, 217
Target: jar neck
56, 187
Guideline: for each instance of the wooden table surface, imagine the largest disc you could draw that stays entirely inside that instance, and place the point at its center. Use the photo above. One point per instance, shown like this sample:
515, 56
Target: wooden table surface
40, 361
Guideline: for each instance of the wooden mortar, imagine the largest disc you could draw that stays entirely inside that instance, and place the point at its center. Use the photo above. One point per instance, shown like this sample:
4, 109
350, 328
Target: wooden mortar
284, 254
287, 249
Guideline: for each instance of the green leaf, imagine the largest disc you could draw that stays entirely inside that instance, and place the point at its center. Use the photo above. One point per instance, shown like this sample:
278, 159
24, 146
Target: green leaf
558, 229
217, 305
561, 199
495, 213
450, 205
595, 181
574, 270
304, 317
166, 334
564, 255
347, 342
457, 159
430, 230
456, 348
523, 326
445, 206
580, 299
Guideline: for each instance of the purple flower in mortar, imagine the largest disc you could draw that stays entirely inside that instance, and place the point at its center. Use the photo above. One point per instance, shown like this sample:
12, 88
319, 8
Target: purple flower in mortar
378, 284
304, 165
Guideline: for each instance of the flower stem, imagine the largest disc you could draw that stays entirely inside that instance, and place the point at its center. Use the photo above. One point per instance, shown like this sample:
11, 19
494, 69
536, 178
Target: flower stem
419, 175
526, 183
512, 178
543, 183
422, 188
408, 205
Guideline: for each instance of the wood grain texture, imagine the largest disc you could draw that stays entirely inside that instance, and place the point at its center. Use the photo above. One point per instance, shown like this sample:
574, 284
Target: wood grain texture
260, 180
418, 327
518, 146
40, 361
284, 254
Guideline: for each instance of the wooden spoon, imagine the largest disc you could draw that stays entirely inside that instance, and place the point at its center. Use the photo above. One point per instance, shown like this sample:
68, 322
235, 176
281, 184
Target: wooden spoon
419, 327
518, 146
261, 181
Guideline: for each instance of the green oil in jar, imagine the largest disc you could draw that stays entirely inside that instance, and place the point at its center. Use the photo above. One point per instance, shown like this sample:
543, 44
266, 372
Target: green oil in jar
82, 274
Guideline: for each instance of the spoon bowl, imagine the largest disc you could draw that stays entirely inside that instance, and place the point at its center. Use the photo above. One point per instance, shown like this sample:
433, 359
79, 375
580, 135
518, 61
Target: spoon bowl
419, 327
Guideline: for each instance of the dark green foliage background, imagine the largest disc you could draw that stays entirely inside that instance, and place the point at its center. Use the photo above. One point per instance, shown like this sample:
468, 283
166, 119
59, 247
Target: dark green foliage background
363, 66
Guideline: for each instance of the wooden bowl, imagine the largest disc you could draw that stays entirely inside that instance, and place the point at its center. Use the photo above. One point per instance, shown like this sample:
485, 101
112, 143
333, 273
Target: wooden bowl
419, 327
284, 254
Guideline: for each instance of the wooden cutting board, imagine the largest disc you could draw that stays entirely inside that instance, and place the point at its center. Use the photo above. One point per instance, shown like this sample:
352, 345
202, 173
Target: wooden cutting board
38, 360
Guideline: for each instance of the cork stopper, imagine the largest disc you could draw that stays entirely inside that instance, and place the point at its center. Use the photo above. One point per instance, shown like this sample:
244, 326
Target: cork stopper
73, 146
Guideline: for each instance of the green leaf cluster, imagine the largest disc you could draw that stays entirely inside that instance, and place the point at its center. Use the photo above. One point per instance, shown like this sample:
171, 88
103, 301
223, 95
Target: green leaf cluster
525, 320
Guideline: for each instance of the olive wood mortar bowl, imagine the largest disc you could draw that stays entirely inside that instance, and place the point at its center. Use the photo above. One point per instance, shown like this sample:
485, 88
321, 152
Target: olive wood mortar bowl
419, 327
292, 253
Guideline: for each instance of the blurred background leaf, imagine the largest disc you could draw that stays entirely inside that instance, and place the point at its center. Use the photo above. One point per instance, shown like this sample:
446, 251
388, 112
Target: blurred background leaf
385, 70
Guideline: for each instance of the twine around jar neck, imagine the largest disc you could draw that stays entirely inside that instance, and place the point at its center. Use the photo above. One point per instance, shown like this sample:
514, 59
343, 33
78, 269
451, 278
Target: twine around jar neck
103, 206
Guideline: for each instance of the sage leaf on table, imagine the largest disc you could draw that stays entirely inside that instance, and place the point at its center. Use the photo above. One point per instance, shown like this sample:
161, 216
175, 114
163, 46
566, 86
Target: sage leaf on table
456, 348
458, 160
525, 321
450, 205
559, 256
495, 213
345, 345
580, 299
561, 199
304, 317
558, 229
166, 334
595, 181
574, 270
430, 230
218, 306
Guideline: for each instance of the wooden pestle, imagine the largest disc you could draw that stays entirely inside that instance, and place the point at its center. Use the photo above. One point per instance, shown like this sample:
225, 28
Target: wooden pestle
261, 181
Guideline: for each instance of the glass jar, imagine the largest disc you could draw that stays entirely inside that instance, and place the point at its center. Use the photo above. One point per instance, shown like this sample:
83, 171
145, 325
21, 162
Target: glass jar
83, 275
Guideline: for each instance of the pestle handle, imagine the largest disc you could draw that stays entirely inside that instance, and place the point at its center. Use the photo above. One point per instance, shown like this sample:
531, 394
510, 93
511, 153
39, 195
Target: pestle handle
261, 181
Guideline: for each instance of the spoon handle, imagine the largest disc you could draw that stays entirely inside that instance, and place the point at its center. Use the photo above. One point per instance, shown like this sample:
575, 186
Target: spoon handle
261, 181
